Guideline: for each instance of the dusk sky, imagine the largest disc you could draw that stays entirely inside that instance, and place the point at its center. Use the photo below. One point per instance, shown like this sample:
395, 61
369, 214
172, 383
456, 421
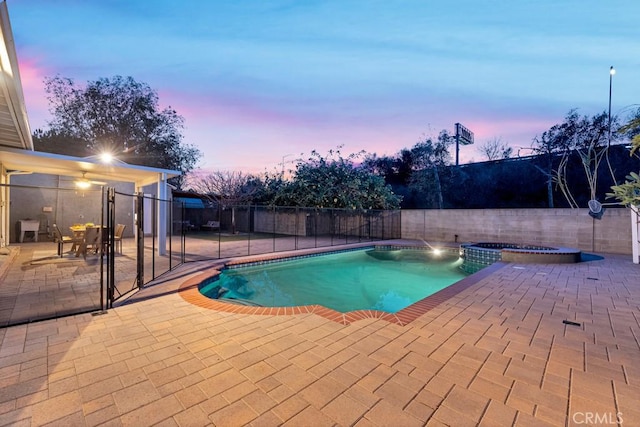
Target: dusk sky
262, 81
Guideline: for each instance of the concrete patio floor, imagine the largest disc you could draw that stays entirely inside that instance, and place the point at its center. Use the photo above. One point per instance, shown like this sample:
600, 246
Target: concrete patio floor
496, 354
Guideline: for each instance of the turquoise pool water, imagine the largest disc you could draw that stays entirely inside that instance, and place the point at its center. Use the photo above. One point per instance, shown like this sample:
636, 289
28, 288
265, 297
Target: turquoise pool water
355, 280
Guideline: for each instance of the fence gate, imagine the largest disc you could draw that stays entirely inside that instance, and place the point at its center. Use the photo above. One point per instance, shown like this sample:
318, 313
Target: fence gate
124, 278
133, 255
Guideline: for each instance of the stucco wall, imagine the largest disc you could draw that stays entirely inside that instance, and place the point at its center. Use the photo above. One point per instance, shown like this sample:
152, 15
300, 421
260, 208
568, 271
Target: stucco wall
551, 227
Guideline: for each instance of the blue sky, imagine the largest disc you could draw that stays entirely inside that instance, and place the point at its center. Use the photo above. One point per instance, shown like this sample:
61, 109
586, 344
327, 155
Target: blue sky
263, 81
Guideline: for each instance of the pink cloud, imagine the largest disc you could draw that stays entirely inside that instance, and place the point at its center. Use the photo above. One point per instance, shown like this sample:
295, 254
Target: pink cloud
32, 76
232, 108
244, 133
252, 133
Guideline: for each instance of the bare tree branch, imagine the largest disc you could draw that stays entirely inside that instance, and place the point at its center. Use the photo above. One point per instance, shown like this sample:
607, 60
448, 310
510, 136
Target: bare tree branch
222, 187
495, 149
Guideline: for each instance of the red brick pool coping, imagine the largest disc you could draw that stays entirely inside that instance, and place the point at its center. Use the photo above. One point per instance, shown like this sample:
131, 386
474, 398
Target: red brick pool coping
189, 291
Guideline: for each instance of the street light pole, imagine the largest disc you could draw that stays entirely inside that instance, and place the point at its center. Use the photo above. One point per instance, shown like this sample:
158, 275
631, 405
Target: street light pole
612, 71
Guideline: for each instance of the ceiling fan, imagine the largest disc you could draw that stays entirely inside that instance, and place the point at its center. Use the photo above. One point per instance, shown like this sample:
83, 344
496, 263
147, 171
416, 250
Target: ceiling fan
84, 183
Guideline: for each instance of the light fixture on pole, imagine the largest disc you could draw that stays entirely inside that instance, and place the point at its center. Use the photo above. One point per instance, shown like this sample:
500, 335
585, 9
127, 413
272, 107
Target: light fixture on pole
595, 207
612, 71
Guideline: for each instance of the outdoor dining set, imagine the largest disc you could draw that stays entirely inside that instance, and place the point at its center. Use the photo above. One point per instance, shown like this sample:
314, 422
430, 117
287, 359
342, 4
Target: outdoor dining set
87, 239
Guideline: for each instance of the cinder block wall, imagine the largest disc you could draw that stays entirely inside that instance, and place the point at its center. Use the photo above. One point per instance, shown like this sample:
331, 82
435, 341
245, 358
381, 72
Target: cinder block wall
551, 227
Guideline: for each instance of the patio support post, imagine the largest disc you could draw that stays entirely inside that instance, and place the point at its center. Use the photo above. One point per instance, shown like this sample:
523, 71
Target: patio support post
162, 214
140, 239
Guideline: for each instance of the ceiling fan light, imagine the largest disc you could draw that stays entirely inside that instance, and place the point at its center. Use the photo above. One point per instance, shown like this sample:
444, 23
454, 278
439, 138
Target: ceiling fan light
83, 184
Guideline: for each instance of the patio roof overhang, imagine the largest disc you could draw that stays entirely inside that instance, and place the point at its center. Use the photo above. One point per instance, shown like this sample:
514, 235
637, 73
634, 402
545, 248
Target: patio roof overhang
15, 160
14, 124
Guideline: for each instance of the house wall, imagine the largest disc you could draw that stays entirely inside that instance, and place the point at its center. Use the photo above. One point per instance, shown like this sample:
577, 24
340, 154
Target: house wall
547, 227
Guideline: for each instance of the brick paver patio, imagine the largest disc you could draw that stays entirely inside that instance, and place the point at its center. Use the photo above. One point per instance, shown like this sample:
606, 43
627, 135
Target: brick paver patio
496, 354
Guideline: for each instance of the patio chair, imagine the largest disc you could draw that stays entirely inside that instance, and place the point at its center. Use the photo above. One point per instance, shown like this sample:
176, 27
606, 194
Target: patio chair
91, 241
117, 237
61, 240
212, 225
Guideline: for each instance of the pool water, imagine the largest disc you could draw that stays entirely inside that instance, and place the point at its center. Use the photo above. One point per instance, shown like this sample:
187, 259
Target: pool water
356, 280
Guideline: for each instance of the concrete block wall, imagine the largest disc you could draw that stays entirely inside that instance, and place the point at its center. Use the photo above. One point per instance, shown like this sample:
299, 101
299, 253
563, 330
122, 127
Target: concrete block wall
547, 227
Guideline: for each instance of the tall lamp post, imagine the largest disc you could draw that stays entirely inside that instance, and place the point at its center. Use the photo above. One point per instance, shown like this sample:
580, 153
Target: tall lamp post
612, 71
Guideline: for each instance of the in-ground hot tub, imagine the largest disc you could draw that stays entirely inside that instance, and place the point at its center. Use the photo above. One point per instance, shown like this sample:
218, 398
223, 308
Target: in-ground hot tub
486, 253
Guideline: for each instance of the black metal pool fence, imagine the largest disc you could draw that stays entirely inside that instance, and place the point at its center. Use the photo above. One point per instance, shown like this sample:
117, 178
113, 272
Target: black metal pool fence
250, 230
43, 278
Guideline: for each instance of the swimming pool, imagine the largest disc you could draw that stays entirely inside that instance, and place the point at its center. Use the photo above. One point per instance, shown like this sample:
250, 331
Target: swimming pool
370, 279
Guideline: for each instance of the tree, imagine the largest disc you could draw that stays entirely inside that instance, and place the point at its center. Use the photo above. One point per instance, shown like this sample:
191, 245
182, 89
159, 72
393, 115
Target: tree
392, 169
53, 142
427, 158
495, 149
547, 146
586, 137
628, 193
416, 173
224, 188
631, 130
118, 115
332, 182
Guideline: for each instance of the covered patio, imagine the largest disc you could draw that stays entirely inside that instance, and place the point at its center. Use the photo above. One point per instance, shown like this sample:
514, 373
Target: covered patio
38, 190
18, 158
47, 171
